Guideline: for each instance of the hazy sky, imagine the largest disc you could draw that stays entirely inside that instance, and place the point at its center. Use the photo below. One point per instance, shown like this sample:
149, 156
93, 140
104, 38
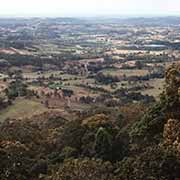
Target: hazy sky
88, 7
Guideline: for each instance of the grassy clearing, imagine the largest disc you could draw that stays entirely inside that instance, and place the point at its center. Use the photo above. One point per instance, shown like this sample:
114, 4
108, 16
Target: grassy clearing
127, 72
35, 75
22, 108
2, 76
157, 89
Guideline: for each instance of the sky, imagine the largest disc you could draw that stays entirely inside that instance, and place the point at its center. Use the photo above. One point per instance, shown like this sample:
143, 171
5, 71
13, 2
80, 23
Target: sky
83, 8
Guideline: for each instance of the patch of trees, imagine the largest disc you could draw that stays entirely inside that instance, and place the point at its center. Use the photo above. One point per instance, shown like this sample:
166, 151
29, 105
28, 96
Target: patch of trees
127, 96
22, 60
67, 92
4, 102
86, 99
16, 89
100, 89
145, 77
106, 79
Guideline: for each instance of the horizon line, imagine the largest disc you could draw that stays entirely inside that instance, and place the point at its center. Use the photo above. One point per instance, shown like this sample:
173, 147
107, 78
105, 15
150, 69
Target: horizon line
90, 16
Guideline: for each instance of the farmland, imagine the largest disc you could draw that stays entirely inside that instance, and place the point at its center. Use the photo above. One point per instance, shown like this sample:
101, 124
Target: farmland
89, 99
71, 65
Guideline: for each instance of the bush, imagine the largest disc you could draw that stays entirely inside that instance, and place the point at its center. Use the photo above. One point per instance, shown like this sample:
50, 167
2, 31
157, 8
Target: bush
83, 169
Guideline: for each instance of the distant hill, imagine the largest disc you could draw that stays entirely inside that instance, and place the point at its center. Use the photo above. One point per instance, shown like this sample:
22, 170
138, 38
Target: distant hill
160, 21
21, 21
151, 21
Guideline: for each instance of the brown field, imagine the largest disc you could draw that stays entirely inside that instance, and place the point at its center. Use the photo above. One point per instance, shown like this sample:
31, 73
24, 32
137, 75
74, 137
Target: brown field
127, 72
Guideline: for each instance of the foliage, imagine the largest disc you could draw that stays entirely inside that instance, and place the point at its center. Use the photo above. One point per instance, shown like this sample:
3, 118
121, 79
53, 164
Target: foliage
15, 89
150, 125
103, 143
151, 164
86, 169
96, 121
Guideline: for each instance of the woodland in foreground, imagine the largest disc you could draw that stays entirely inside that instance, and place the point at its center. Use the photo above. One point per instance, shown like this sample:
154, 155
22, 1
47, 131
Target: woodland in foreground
138, 143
